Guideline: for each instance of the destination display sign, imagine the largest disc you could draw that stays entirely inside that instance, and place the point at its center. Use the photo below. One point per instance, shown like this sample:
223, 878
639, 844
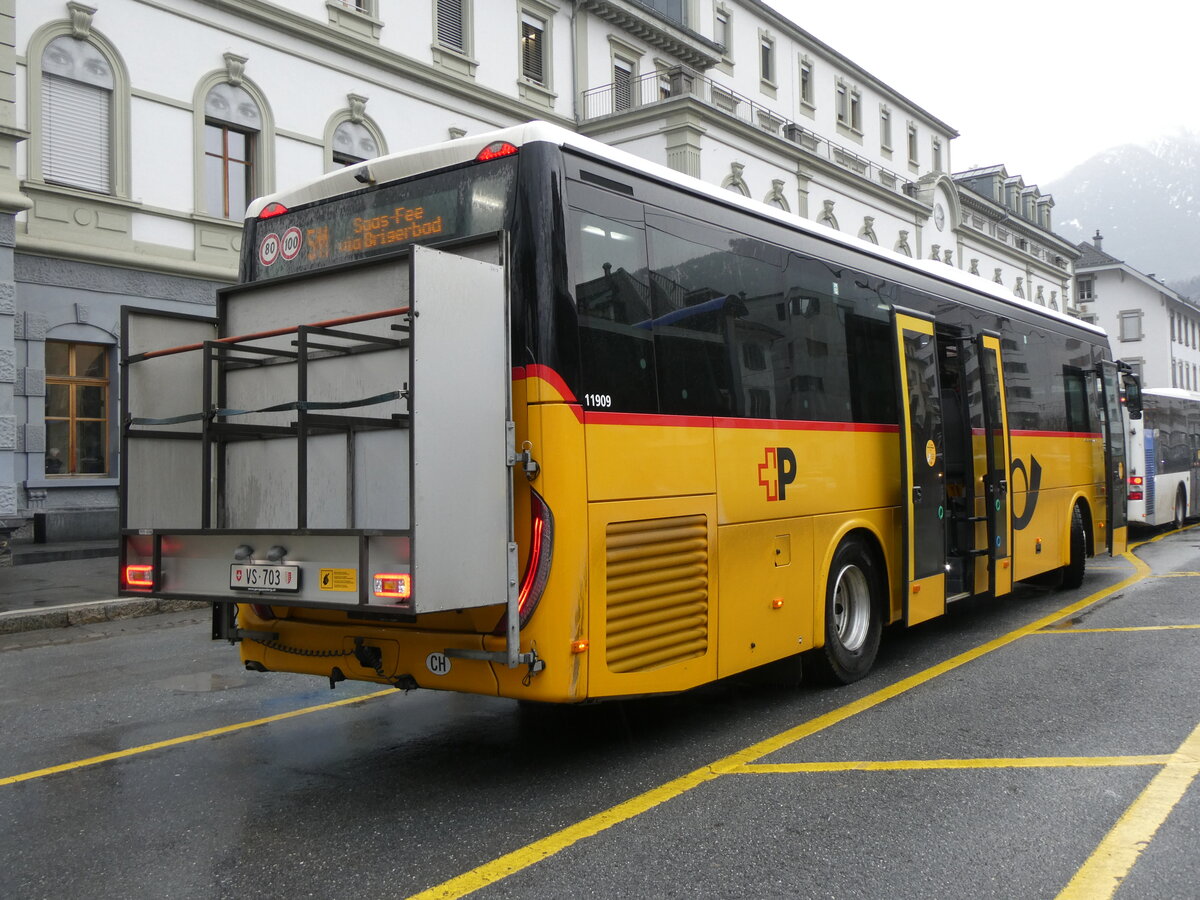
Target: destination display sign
380, 220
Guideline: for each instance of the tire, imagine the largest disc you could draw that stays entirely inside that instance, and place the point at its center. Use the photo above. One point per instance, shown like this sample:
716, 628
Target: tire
1072, 572
1180, 509
854, 605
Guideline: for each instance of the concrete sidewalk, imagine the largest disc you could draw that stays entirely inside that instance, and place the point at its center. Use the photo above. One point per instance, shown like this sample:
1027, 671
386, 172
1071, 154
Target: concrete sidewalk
53, 586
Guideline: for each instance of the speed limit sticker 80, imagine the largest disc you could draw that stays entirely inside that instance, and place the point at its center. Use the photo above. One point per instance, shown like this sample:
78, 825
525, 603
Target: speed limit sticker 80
273, 246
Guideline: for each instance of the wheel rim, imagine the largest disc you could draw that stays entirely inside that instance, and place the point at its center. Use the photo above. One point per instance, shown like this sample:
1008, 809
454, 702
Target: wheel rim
852, 607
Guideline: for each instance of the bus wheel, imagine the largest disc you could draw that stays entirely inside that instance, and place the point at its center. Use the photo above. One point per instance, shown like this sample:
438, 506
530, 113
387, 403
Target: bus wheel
1180, 509
853, 616
1072, 572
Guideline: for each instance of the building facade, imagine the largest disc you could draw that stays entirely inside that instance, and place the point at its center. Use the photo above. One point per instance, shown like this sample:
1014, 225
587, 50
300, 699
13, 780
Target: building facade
134, 132
1153, 328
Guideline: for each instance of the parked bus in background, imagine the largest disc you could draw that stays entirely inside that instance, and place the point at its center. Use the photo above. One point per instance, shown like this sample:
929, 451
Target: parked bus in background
525, 415
1164, 458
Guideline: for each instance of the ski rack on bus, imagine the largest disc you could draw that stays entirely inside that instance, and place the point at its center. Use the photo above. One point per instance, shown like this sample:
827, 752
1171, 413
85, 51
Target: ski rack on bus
327, 464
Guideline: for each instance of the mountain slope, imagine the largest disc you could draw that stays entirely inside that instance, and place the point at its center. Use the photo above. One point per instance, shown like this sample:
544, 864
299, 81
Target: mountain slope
1145, 201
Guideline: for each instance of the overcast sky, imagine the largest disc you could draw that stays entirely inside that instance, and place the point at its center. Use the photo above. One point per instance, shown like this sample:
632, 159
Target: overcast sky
1038, 85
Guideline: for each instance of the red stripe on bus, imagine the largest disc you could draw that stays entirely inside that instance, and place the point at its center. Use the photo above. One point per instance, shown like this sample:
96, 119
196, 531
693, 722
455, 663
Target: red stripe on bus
593, 417
805, 425
1055, 434
549, 376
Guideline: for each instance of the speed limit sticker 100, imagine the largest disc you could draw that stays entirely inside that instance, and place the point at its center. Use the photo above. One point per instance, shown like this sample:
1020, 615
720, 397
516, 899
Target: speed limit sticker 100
291, 243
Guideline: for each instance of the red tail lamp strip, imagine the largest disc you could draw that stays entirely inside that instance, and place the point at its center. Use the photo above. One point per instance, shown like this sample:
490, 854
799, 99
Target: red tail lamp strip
139, 577
541, 551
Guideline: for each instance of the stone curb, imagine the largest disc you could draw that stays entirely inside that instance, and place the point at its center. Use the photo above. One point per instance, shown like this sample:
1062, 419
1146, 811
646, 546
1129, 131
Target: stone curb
22, 620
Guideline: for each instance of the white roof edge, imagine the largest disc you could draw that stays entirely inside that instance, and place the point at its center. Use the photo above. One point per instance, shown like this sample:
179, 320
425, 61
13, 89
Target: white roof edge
1175, 393
465, 149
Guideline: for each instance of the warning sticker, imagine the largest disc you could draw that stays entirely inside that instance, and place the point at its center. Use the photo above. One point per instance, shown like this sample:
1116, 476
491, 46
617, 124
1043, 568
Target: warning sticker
338, 580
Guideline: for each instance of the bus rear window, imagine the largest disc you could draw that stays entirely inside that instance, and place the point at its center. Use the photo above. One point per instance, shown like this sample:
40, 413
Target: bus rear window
377, 220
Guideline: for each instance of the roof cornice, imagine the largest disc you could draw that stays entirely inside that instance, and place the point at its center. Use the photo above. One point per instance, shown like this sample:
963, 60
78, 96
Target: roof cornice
687, 46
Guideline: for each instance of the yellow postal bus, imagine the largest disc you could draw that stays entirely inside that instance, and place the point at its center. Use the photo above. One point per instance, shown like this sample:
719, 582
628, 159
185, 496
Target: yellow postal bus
523, 415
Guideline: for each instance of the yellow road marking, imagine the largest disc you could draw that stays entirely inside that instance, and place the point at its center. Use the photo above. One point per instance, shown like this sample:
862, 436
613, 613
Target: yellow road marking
524, 857
912, 765
1178, 575
1065, 630
1111, 862
188, 738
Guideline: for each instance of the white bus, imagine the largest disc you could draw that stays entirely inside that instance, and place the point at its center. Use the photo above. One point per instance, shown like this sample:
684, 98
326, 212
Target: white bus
1164, 458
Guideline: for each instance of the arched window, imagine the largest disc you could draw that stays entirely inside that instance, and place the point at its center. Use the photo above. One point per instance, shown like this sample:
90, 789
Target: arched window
352, 143
734, 181
776, 196
232, 124
827, 217
77, 86
351, 136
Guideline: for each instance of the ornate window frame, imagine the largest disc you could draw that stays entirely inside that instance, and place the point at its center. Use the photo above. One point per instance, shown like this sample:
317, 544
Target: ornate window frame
460, 60
263, 176
356, 114
79, 26
539, 93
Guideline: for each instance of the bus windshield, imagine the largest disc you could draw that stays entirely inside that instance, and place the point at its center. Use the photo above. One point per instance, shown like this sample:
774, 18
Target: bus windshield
455, 203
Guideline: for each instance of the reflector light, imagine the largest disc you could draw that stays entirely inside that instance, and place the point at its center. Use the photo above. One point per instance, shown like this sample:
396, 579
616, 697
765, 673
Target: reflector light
397, 585
271, 210
777, 603
139, 576
579, 646
495, 151
1135, 479
1136, 495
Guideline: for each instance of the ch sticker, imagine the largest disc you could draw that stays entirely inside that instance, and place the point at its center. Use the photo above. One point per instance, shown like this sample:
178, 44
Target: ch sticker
931, 453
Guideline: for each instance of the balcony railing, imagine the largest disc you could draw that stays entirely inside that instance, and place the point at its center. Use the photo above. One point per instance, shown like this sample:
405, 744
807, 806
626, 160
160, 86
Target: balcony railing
661, 87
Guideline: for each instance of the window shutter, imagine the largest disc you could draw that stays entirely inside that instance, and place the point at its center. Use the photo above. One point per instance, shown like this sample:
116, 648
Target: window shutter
450, 24
531, 51
76, 134
622, 87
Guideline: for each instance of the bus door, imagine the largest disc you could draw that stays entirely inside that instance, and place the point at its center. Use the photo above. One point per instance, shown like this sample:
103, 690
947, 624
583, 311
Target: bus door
1114, 456
922, 473
998, 511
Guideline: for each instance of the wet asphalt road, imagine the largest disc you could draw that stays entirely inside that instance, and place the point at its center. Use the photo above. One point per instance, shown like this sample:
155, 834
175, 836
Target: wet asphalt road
998, 774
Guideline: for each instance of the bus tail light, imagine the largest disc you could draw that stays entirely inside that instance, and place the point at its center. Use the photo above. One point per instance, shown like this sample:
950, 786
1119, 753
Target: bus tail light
537, 568
393, 585
271, 210
1135, 488
541, 549
139, 577
495, 151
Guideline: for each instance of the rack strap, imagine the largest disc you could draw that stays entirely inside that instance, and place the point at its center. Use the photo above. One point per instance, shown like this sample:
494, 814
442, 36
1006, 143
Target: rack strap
295, 405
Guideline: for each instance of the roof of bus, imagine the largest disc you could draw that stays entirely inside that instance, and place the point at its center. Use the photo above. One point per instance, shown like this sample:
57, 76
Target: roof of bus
462, 150
1176, 393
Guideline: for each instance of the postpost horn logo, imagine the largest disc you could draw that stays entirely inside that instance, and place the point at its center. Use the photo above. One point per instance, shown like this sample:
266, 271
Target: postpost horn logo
777, 471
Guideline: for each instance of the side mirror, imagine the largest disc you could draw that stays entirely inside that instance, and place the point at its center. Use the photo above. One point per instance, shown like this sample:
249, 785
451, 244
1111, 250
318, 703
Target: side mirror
1133, 395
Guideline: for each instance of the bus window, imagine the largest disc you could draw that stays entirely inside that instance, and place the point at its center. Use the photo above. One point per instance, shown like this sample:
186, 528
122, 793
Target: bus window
1076, 390
704, 285
612, 294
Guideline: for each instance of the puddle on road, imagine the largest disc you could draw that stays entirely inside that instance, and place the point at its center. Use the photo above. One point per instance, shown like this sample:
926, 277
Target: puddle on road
204, 683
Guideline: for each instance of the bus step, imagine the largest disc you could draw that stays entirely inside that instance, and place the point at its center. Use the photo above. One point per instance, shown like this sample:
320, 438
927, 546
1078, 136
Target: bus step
975, 518
977, 553
962, 596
